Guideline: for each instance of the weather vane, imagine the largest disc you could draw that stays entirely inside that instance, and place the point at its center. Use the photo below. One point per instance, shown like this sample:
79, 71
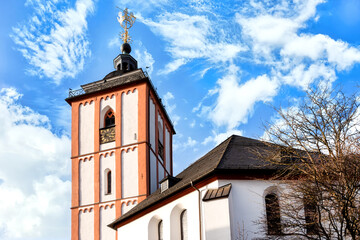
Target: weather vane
126, 21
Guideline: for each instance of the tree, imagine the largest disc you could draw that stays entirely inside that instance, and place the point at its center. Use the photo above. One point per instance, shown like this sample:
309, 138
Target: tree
317, 149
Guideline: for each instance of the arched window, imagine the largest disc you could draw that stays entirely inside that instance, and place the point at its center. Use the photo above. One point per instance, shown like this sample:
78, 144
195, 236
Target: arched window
183, 225
107, 181
310, 216
273, 214
160, 230
160, 142
109, 118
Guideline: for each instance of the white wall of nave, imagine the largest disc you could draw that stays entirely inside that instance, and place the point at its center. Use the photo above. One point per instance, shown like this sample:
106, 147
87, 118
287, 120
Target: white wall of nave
86, 181
247, 206
129, 117
166, 214
217, 219
86, 127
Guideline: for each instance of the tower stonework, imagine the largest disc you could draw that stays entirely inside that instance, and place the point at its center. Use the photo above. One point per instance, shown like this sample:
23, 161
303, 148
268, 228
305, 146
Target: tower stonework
121, 148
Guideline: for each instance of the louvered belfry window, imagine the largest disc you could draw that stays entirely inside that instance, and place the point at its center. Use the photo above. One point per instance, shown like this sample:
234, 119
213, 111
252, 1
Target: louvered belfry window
109, 118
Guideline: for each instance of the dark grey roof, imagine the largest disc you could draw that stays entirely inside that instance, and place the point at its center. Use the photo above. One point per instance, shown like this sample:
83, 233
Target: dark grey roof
235, 154
113, 80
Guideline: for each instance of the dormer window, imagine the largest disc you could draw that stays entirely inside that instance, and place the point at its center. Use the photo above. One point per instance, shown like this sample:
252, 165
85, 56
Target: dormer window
168, 182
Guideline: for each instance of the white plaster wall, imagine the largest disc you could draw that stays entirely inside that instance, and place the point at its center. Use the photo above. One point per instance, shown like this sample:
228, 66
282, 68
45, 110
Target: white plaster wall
247, 206
167, 149
129, 117
86, 181
161, 172
108, 145
129, 173
152, 123
105, 105
126, 206
153, 176
107, 215
86, 225
217, 219
86, 128
107, 162
139, 229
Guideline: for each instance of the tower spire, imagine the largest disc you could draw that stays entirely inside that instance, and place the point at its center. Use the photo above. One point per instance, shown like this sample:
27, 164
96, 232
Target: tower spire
126, 21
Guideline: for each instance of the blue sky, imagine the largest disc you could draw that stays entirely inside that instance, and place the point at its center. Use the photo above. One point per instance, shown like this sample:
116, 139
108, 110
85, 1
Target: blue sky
218, 66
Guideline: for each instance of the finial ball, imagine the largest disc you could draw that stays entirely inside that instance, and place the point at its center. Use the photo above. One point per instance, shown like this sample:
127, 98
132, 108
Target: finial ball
125, 48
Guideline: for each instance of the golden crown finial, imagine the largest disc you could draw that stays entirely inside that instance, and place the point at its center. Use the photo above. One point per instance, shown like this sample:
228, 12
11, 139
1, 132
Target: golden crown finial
126, 21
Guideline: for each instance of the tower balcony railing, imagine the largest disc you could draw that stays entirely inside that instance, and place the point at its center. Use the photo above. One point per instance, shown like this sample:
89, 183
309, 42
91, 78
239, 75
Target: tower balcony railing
76, 92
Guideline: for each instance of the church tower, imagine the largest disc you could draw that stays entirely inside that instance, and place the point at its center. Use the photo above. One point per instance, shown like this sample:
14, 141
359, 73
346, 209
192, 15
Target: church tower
121, 144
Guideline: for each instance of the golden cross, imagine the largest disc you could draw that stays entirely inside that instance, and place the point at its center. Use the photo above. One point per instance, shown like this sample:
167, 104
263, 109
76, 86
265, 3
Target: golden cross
126, 21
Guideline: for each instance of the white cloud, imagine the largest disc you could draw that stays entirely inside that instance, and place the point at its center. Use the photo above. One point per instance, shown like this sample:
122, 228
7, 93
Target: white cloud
189, 143
278, 37
191, 37
54, 41
172, 66
114, 42
235, 101
167, 98
141, 5
145, 59
217, 138
275, 34
35, 185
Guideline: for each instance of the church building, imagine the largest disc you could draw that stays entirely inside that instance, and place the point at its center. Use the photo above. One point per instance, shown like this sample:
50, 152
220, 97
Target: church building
122, 169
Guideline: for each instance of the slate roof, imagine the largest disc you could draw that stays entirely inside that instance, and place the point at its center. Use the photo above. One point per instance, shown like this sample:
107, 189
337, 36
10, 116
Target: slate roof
234, 154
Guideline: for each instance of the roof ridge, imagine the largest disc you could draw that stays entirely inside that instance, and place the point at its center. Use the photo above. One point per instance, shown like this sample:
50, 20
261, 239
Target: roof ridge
225, 149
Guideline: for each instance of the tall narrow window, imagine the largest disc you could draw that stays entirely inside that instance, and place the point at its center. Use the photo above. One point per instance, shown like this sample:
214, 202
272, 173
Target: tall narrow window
160, 141
183, 225
160, 230
273, 214
108, 182
109, 118
310, 216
